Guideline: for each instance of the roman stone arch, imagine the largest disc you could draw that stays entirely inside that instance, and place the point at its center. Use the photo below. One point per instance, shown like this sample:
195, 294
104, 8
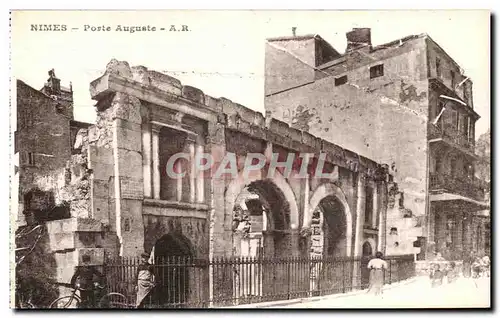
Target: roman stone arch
323, 191
241, 181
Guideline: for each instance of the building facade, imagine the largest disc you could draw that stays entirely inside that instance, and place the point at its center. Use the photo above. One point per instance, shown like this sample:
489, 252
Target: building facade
406, 103
305, 196
43, 140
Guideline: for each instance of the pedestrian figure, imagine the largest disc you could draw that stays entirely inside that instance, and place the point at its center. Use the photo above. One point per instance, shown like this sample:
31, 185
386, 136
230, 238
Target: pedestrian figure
467, 264
476, 267
377, 268
486, 265
145, 280
86, 279
450, 273
436, 275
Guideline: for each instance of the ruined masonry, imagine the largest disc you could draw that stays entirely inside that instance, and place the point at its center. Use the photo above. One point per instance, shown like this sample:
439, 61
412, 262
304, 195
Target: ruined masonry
123, 203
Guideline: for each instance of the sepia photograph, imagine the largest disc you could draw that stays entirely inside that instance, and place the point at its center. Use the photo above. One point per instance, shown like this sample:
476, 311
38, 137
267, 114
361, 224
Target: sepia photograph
179, 159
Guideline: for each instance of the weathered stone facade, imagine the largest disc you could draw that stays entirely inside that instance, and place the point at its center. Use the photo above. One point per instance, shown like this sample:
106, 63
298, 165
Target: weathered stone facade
122, 202
381, 101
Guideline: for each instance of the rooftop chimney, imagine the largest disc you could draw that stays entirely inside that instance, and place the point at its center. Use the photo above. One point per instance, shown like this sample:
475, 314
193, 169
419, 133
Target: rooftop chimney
53, 83
358, 38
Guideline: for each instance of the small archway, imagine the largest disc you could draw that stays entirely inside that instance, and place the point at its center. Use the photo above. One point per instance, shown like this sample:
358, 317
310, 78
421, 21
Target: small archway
171, 255
367, 249
330, 196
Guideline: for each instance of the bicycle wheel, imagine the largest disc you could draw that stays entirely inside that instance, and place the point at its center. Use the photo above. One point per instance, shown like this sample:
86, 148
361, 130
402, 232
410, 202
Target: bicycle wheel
66, 302
114, 300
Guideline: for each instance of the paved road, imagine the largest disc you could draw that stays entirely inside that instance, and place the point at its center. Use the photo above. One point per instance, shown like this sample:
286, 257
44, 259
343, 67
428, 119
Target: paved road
464, 293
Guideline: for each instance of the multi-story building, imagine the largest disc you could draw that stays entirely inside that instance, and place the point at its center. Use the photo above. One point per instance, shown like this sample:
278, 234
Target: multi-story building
43, 139
407, 103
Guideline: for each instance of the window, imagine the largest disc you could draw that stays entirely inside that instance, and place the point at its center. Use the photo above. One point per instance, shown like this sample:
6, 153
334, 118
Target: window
369, 207
452, 74
453, 166
465, 125
471, 130
31, 158
438, 67
438, 164
454, 118
341, 80
377, 71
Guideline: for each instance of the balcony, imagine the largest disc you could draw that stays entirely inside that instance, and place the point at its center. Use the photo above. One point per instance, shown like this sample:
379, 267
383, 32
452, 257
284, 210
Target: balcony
463, 186
452, 138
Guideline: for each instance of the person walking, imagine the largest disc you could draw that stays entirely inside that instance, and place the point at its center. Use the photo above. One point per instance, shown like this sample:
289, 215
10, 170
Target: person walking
377, 268
145, 280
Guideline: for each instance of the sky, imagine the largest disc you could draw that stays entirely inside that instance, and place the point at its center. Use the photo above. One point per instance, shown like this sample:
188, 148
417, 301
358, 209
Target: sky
223, 51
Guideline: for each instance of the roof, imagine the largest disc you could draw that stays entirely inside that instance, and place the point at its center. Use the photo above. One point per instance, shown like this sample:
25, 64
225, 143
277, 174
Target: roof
294, 37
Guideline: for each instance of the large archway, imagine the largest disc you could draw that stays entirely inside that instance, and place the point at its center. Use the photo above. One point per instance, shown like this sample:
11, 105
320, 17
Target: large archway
268, 204
171, 255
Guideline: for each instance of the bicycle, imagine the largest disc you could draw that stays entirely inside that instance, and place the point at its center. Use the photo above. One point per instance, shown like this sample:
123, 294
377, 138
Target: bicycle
109, 300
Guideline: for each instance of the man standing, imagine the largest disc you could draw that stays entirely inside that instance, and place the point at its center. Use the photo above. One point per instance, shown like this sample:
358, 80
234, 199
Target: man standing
84, 280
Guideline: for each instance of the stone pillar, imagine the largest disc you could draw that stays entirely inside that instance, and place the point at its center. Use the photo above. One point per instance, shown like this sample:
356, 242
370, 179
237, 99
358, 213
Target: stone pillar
360, 221
156, 160
146, 159
200, 177
128, 179
381, 189
192, 170
360, 214
376, 212
220, 225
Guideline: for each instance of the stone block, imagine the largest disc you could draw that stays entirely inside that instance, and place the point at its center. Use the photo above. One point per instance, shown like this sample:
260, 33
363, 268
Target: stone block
100, 87
61, 241
100, 209
120, 68
100, 154
132, 188
100, 188
212, 103
194, 94
86, 239
140, 74
102, 171
165, 83
96, 255
64, 274
130, 163
129, 139
74, 225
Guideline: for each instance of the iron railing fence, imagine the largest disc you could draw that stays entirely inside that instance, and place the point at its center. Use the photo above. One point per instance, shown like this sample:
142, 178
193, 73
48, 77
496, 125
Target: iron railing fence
184, 282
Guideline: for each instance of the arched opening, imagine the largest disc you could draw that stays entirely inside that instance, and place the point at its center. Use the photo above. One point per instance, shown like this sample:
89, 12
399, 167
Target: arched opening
367, 249
261, 228
329, 200
331, 226
367, 253
171, 256
329, 229
261, 215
